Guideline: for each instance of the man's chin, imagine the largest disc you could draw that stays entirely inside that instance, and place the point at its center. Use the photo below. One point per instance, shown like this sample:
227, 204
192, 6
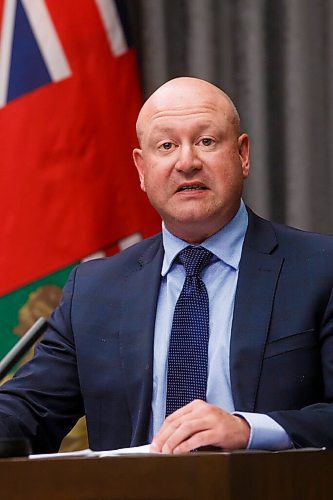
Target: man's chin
193, 228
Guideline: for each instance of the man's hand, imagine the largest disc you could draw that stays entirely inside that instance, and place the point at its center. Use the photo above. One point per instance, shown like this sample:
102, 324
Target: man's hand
200, 424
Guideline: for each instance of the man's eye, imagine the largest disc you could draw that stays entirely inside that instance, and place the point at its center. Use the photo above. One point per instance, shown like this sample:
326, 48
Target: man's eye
166, 146
207, 141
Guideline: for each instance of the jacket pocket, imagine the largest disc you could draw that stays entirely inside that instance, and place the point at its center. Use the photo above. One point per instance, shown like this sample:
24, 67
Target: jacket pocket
302, 340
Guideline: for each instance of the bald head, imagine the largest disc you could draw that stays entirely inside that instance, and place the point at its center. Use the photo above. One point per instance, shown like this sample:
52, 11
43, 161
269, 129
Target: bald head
181, 96
192, 161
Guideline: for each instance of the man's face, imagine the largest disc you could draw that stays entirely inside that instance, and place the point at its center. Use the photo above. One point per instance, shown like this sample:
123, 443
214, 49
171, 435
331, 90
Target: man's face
192, 162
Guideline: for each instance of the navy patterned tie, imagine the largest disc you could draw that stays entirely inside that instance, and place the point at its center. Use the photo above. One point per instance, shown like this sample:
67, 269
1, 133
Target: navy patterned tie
188, 350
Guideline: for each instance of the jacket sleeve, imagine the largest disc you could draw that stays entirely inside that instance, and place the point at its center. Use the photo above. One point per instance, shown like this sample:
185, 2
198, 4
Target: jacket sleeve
42, 402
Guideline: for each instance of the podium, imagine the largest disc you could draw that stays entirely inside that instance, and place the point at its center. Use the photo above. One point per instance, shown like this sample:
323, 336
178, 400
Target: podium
305, 475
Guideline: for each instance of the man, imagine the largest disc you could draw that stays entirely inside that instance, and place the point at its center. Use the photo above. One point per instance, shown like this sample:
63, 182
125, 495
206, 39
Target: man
269, 377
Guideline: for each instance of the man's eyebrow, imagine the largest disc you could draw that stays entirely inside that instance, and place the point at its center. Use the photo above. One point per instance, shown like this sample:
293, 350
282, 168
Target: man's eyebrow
165, 129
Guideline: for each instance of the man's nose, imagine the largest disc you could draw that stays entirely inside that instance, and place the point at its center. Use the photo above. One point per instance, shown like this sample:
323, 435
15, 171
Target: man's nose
188, 159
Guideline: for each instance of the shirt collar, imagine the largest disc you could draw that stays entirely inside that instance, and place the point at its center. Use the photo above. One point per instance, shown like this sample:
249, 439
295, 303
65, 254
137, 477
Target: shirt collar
226, 244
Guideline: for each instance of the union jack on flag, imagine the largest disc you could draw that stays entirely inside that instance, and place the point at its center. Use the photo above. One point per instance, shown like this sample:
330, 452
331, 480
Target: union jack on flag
31, 53
29, 36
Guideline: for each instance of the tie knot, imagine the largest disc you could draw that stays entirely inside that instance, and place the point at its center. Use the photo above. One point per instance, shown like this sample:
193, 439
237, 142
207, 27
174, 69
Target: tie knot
194, 259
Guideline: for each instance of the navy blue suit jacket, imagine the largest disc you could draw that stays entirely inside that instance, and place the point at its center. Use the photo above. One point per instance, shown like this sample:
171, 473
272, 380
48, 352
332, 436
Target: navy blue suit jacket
96, 358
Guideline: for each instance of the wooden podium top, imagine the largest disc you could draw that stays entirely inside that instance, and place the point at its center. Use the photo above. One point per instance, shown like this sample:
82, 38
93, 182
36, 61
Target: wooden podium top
306, 474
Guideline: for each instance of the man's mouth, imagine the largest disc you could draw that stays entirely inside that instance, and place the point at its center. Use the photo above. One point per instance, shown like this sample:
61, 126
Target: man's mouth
192, 187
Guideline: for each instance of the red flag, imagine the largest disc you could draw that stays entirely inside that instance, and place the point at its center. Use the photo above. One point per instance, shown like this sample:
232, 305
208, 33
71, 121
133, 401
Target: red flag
69, 97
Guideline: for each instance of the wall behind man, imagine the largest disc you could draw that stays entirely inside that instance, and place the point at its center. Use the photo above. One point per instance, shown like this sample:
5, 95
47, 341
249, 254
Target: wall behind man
275, 59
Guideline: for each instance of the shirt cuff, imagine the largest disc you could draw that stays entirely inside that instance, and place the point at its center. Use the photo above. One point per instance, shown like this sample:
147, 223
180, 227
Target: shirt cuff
265, 433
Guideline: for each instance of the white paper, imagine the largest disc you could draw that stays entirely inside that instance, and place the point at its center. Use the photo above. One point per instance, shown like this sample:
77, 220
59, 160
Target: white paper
125, 451
90, 453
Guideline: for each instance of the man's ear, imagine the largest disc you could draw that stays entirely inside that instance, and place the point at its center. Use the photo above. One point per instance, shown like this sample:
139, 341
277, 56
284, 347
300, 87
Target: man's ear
244, 153
138, 160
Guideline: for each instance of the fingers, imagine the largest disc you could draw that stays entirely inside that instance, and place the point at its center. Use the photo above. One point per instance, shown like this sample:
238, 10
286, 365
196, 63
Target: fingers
200, 424
179, 436
176, 427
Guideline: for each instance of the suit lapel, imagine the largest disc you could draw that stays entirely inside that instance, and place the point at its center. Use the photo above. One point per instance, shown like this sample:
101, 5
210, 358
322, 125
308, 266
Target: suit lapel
258, 277
136, 336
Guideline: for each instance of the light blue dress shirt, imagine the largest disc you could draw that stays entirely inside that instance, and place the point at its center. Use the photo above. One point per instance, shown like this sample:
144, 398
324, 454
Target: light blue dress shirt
220, 277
